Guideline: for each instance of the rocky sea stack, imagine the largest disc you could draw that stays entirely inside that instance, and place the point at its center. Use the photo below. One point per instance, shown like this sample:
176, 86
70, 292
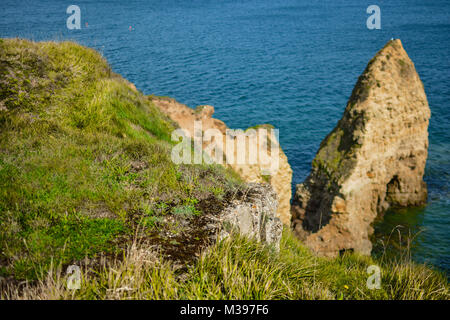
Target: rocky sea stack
372, 160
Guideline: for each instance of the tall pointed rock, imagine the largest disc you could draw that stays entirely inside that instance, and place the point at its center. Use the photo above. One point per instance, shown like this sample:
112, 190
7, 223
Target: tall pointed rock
374, 158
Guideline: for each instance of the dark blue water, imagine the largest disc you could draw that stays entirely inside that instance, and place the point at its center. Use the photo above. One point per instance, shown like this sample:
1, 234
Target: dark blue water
289, 63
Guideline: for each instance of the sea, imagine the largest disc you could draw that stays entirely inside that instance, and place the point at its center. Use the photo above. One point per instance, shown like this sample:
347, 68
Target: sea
290, 63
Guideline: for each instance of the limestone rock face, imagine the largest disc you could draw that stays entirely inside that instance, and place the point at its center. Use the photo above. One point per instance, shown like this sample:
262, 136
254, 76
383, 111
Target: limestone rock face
374, 158
255, 216
279, 178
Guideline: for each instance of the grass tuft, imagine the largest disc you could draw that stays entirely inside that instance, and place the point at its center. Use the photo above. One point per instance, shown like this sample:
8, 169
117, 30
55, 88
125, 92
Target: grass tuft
239, 268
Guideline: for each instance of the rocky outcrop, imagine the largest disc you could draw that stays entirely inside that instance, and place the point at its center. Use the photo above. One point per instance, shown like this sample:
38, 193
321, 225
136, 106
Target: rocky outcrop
250, 211
254, 216
373, 159
278, 177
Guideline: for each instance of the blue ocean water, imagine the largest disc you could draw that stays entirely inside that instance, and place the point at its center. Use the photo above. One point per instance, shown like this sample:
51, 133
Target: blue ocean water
291, 63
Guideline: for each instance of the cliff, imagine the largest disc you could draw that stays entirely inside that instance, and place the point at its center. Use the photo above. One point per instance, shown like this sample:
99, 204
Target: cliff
86, 168
279, 177
373, 159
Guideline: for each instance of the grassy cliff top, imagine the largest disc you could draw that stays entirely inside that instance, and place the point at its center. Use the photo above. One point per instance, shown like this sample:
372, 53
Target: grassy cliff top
84, 159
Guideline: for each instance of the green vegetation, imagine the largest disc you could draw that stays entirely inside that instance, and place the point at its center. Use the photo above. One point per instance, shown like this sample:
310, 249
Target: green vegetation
83, 159
239, 268
336, 153
86, 178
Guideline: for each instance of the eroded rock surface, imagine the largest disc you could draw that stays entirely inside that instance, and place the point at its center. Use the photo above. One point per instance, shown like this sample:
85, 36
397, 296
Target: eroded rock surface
279, 178
374, 158
255, 216
250, 212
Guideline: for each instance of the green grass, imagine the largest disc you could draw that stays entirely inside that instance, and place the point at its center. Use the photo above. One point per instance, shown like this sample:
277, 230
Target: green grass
82, 156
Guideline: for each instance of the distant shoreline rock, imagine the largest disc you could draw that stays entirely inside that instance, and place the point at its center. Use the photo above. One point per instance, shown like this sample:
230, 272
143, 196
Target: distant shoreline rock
373, 159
